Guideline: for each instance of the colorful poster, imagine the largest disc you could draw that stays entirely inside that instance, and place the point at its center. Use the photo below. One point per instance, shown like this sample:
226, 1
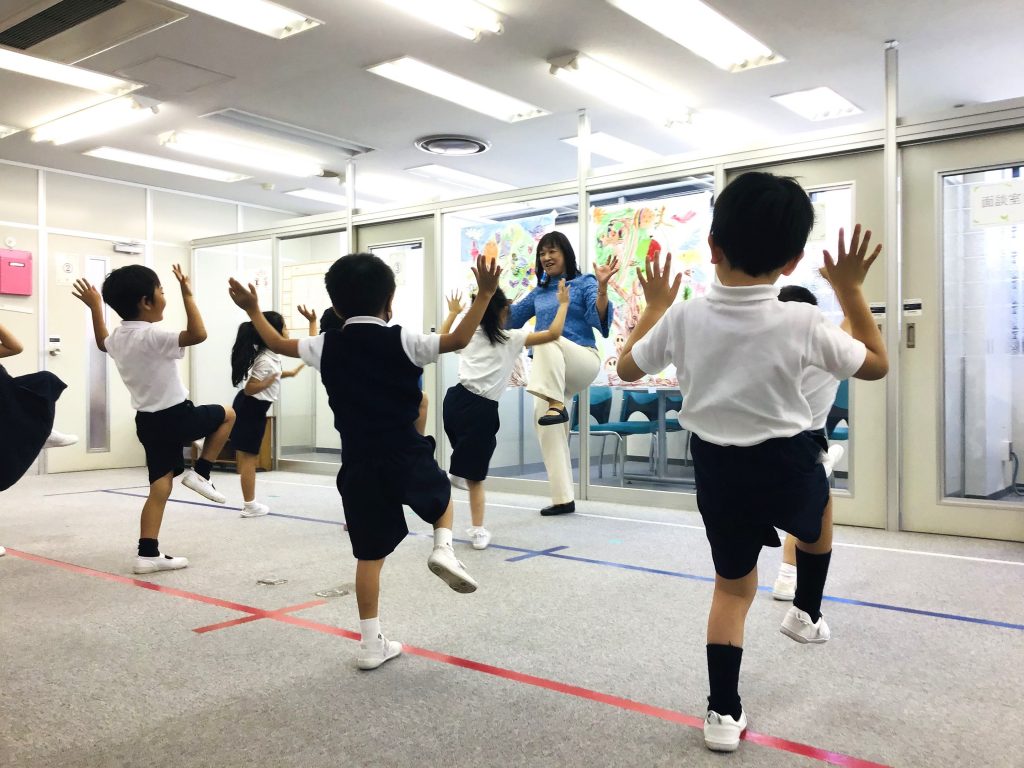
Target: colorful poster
634, 234
514, 244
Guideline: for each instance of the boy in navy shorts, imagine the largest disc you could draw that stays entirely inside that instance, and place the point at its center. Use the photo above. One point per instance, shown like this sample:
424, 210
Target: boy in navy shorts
741, 357
371, 372
165, 420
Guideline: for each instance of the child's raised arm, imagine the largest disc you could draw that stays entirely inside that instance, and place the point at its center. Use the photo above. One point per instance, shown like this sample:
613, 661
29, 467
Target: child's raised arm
487, 275
195, 331
310, 316
88, 295
846, 274
660, 296
554, 330
455, 308
246, 299
9, 346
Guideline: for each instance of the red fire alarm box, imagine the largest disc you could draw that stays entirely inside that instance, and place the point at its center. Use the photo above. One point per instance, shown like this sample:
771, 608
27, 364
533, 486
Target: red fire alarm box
16, 273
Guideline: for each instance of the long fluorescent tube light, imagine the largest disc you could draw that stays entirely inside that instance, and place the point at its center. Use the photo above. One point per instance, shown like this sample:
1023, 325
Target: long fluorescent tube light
45, 69
111, 115
437, 82
165, 164
392, 188
456, 178
321, 197
703, 30
614, 148
466, 18
242, 153
260, 16
618, 89
817, 104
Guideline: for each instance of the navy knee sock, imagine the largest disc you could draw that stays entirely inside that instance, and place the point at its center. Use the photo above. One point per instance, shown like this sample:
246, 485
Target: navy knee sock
724, 675
203, 467
149, 548
811, 572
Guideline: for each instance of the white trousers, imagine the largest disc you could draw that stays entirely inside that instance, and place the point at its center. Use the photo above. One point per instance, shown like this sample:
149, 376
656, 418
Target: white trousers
561, 370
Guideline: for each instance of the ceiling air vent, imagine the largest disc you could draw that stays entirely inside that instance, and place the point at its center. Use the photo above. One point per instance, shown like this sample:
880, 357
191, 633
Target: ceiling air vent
54, 20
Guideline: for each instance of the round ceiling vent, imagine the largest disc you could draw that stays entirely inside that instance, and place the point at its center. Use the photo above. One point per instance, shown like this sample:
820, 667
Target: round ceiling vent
452, 145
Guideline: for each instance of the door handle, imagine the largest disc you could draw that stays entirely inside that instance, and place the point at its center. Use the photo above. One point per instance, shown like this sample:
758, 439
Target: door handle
911, 335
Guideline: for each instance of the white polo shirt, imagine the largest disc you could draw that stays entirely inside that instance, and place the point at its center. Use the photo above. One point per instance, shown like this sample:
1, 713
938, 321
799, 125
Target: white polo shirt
740, 356
266, 364
819, 387
147, 359
485, 368
421, 349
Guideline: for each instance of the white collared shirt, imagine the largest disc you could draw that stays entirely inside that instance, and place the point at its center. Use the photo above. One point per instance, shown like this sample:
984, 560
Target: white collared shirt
147, 359
485, 368
266, 364
421, 349
741, 355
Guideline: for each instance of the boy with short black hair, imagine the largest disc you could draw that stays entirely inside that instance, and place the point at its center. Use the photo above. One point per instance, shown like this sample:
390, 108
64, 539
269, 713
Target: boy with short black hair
371, 372
165, 420
741, 355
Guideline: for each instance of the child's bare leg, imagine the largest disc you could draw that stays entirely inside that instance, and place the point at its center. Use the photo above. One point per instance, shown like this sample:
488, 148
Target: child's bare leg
215, 442
812, 561
726, 622
477, 501
421, 420
247, 474
368, 588
789, 550
153, 509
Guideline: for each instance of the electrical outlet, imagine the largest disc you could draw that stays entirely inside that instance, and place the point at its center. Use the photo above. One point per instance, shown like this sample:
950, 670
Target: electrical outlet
1007, 450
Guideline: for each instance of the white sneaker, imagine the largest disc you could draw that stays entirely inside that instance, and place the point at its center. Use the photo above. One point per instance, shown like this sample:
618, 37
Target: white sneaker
376, 652
255, 509
202, 486
479, 537
830, 459
797, 624
2, 551
443, 564
785, 588
159, 563
722, 732
59, 440
459, 482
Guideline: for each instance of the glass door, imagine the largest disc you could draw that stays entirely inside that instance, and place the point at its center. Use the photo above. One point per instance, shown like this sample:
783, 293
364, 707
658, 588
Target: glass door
963, 344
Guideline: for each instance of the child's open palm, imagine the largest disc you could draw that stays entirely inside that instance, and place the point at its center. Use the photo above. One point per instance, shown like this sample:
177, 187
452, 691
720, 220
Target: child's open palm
183, 280
851, 267
455, 306
307, 313
658, 292
244, 298
85, 292
487, 274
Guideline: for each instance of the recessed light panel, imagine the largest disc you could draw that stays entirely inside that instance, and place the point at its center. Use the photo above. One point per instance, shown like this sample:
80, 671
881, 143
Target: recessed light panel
331, 198
465, 18
164, 164
109, 116
616, 149
260, 16
457, 178
33, 66
818, 104
242, 153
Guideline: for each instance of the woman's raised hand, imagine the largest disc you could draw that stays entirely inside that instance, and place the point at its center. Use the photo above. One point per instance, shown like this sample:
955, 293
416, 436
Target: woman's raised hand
604, 272
563, 292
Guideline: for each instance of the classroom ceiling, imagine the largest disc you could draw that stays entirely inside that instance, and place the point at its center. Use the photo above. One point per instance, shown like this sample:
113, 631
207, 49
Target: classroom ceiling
950, 54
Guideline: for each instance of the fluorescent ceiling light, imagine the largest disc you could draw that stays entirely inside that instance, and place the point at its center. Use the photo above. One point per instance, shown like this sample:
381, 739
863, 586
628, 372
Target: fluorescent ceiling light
437, 82
466, 18
330, 198
242, 153
44, 69
606, 145
165, 164
111, 115
618, 89
258, 15
458, 178
703, 30
392, 189
8, 130
817, 104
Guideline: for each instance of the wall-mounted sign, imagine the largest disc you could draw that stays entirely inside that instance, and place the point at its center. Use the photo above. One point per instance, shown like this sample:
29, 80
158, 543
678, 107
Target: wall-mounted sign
997, 204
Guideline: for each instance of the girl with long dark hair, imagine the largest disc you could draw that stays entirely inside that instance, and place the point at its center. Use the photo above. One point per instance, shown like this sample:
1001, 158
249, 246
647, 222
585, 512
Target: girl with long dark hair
471, 406
261, 371
564, 369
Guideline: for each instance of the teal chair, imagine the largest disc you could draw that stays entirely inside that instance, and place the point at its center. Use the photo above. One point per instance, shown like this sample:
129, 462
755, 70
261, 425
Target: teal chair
840, 412
634, 401
600, 411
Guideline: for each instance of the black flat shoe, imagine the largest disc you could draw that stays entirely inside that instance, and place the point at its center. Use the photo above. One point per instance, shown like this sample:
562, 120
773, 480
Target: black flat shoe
559, 509
560, 416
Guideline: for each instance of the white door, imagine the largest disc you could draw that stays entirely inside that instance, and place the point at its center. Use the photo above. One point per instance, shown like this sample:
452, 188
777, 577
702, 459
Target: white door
963, 356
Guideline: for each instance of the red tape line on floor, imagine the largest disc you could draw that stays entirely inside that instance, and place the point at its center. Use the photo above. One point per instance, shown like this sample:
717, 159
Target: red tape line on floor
764, 740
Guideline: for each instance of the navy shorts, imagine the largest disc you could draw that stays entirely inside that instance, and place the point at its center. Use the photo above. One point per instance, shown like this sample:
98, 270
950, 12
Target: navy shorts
745, 493
164, 434
471, 423
378, 481
250, 422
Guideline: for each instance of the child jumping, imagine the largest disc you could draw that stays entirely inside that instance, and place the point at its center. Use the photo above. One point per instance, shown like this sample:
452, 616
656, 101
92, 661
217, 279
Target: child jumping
165, 420
371, 372
471, 406
741, 357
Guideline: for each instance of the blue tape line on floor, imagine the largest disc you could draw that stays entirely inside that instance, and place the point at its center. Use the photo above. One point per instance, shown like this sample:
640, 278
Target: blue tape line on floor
539, 553
557, 554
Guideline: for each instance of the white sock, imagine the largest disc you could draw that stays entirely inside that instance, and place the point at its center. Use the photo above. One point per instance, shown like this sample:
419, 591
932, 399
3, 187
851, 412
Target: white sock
370, 629
787, 571
251, 504
442, 537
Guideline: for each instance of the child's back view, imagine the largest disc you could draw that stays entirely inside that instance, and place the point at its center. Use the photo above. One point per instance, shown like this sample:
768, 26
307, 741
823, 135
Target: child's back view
741, 356
165, 420
371, 372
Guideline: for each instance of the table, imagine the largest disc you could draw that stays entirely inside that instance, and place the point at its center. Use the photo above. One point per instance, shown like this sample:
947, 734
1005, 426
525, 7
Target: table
661, 473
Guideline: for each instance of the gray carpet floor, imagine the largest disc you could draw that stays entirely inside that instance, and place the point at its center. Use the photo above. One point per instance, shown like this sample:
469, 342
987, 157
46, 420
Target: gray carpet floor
588, 655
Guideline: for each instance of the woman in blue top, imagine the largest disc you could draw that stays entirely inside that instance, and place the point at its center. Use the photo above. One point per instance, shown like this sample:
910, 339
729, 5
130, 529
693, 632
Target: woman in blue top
564, 368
